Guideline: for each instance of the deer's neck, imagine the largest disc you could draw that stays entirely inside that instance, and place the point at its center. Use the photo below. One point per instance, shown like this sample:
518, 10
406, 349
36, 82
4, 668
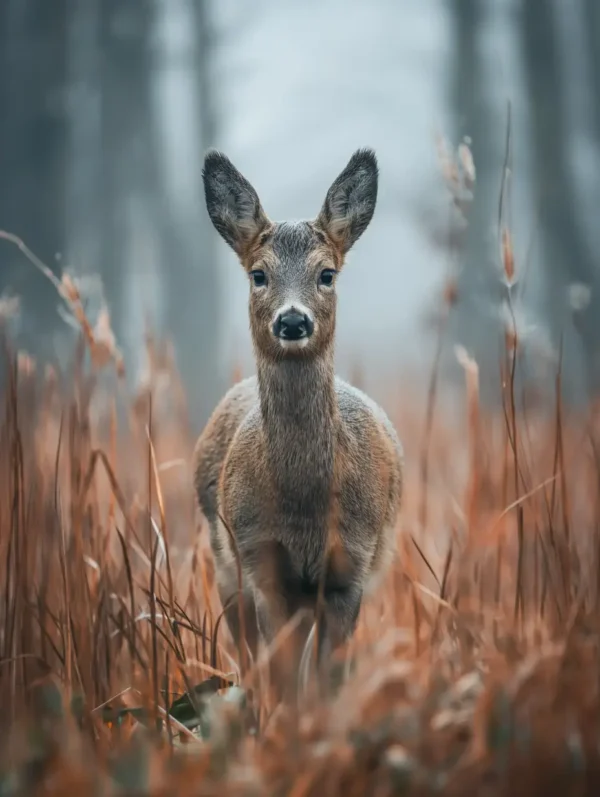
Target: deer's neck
299, 412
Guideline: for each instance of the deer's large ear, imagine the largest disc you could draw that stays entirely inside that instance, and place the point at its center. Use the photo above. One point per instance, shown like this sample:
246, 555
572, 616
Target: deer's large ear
232, 203
350, 202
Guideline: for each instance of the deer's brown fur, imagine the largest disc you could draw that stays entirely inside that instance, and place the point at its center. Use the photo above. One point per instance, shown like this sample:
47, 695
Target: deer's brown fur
304, 469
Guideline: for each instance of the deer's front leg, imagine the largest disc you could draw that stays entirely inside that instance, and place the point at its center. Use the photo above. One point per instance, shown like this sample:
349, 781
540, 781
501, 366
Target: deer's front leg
244, 627
283, 621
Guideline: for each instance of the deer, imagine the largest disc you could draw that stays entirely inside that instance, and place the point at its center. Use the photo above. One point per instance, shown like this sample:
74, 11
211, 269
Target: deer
298, 473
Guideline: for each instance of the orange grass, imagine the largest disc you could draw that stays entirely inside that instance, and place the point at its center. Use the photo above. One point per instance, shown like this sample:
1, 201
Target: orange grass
474, 670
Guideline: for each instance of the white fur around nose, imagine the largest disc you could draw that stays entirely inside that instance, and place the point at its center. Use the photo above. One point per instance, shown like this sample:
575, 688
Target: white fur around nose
293, 344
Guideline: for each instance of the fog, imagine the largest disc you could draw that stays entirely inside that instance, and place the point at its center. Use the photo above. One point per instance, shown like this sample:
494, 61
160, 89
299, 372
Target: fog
109, 108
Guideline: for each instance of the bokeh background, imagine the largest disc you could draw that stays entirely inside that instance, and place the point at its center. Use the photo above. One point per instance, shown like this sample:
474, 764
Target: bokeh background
109, 105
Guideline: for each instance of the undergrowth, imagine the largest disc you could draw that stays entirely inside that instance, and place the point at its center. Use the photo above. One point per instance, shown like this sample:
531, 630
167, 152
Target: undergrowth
474, 669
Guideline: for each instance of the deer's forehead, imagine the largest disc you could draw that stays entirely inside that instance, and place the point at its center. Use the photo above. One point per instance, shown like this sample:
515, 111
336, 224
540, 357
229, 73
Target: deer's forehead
293, 241
295, 246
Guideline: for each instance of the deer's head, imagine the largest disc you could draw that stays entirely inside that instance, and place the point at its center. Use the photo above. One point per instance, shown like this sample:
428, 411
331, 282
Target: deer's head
292, 267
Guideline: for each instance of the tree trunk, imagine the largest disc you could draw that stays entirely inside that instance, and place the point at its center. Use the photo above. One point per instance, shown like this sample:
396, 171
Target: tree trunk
566, 253
191, 270
479, 280
32, 156
591, 21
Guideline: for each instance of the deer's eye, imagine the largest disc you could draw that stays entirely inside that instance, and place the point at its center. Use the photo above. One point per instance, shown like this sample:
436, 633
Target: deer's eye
259, 278
326, 277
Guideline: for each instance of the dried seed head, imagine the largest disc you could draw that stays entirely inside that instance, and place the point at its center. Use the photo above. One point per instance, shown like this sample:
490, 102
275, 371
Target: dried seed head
509, 321
103, 330
450, 292
466, 361
103, 345
458, 172
9, 307
447, 165
508, 256
579, 296
69, 289
521, 328
465, 156
25, 364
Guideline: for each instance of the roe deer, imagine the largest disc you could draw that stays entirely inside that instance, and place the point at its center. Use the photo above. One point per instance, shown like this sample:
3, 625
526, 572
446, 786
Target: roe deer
302, 469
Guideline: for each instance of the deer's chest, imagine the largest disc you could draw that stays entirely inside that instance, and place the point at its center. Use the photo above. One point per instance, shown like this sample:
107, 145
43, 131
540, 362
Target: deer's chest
309, 510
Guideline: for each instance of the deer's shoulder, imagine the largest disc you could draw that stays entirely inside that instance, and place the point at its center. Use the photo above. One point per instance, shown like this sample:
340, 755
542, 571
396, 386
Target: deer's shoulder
214, 442
363, 417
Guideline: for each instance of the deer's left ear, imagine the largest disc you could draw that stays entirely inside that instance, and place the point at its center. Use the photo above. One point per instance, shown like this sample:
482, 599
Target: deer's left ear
350, 202
232, 203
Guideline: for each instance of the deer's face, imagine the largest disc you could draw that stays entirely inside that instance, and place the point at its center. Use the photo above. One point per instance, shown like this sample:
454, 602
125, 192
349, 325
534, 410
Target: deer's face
292, 274
292, 267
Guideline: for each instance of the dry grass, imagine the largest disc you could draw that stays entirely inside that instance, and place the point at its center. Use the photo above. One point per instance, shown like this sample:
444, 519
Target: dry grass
474, 670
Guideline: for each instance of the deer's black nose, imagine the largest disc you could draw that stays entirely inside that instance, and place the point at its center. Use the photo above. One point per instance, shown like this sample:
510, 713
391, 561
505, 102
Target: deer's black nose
293, 325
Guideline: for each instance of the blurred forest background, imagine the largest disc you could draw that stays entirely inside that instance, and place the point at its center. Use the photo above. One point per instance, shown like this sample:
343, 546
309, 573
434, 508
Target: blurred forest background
109, 105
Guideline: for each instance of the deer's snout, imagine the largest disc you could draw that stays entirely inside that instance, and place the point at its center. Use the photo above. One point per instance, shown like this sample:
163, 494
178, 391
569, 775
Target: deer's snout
292, 323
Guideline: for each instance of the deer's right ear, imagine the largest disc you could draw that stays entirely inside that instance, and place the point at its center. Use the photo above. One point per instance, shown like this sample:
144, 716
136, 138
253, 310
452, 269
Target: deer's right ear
350, 202
232, 203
